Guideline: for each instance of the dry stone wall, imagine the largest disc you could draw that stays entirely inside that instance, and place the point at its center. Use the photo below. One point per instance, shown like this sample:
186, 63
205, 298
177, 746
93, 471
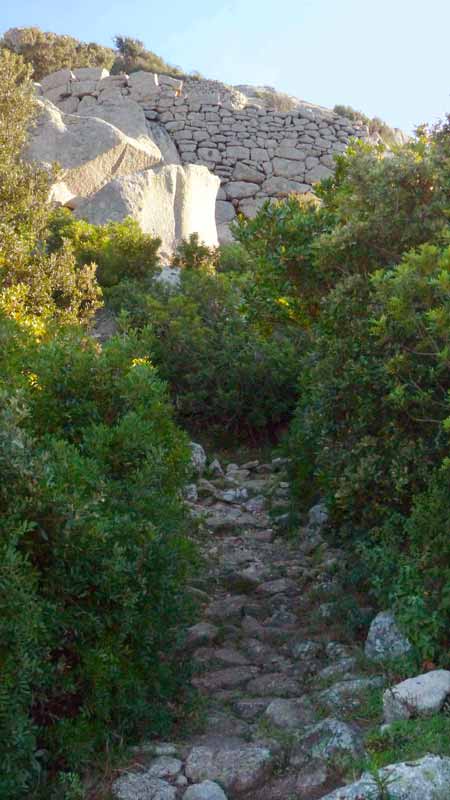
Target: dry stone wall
258, 153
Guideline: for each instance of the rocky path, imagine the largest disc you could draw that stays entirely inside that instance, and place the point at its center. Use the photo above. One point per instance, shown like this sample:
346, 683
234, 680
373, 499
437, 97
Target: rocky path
279, 678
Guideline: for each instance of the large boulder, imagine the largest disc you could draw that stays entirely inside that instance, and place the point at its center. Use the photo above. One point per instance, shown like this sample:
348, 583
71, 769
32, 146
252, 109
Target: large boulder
421, 696
168, 201
427, 779
90, 150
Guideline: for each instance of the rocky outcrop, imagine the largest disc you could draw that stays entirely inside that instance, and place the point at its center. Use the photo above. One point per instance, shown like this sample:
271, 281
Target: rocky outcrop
169, 201
89, 150
257, 152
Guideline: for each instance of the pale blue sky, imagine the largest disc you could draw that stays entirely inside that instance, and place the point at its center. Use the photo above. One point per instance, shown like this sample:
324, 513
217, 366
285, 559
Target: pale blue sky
389, 58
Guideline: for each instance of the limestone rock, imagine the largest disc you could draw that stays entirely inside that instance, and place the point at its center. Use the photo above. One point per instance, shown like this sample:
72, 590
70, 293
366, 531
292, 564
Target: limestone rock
207, 790
385, 640
89, 150
426, 779
421, 696
170, 202
238, 769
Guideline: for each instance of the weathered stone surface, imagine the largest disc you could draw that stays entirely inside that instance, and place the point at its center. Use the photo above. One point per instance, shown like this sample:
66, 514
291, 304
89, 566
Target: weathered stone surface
90, 73
141, 786
426, 779
170, 202
290, 714
421, 696
385, 639
165, 767
143, 85
89, 150
56, 79
243, 172
348, 694
327, 740
239, 189
230, 678
238, 770
285, 168
207, 790
281, 187
274, 684
225, 211
198, 458
200, 634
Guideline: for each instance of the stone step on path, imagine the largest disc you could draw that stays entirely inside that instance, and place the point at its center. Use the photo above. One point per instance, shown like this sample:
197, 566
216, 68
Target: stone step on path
263, 650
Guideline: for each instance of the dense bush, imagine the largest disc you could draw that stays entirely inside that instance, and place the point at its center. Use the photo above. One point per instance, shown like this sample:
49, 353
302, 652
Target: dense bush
370, 429
34, 286
94, 558
221, 370
285, 284
47, 52
119, 249
93, 552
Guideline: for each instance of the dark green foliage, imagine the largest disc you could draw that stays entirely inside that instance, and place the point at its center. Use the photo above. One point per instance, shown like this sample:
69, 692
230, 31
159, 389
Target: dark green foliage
119, 249
370, 432
94, 556
285, 285
221, 370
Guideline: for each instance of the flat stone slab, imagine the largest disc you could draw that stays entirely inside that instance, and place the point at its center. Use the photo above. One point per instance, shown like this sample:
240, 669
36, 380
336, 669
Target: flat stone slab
280, 586
421, 696
238, 770
275, 684
229, 678
290, 714
229, 608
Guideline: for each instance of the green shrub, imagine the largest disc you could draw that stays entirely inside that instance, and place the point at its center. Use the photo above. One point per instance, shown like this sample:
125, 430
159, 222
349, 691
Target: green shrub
191, 253
94, 554
285, 284
383, 207
119, 249
48, 52
35, 288
221, 370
